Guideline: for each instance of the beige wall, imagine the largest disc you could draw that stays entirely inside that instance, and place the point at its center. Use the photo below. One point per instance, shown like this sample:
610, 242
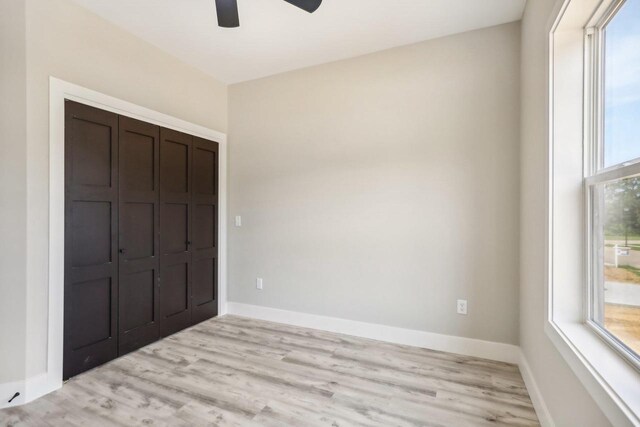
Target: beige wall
13, 199
383, 188
568, 401
379, 188
66, 41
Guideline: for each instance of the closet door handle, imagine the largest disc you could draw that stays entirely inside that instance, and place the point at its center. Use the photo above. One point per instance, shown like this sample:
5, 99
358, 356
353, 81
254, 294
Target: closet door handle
122, 250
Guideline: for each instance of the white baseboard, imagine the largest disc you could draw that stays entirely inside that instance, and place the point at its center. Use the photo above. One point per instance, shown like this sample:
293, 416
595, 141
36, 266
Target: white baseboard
29, 390
467, 346
452, 344
544, 416
42, 384
7, 390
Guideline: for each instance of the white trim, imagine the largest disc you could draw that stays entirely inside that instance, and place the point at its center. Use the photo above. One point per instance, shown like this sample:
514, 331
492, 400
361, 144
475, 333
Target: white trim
29, 390
7, 390
60, 90
467, 346
573, 341
544, 416
611, 382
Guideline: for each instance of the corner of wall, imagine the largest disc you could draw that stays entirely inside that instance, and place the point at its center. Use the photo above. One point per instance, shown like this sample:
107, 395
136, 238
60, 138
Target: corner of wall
544, 416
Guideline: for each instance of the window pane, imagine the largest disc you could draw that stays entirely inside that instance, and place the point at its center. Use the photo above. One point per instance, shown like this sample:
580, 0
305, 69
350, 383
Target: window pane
622, 85
618, 298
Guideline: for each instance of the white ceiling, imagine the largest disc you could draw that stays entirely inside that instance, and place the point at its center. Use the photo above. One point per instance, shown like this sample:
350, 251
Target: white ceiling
275, 36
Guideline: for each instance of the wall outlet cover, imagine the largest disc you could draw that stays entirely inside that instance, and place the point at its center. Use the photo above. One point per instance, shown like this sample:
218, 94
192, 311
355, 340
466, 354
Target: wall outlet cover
462, 306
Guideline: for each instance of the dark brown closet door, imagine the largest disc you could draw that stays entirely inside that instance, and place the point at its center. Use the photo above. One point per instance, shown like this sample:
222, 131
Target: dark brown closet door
204, 199
139, 244
91, 261
175, 231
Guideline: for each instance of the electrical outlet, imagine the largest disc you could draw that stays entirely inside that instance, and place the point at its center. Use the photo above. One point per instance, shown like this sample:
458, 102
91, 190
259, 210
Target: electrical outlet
259, 283
238, 221
462, 306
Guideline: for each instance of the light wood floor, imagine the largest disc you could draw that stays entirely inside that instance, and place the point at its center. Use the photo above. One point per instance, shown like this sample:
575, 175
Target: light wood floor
236, 371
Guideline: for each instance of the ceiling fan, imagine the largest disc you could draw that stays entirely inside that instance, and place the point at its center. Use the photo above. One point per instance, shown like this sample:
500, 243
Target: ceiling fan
228, 10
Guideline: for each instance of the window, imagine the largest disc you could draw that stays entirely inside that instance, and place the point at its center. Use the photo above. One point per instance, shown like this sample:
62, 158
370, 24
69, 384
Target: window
593, 187
613, 178
621, 64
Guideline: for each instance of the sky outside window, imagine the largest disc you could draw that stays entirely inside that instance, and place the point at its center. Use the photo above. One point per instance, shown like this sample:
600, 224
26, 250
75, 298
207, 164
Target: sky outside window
622, 85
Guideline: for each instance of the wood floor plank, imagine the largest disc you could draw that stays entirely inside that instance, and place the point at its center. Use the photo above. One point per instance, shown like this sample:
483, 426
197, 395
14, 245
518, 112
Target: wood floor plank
234, 371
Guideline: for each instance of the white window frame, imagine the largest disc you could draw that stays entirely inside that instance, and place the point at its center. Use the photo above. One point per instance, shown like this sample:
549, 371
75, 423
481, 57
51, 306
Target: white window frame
598, 175
574, 155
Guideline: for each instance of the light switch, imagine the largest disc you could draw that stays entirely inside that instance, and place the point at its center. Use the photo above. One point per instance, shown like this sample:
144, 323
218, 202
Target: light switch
238, 221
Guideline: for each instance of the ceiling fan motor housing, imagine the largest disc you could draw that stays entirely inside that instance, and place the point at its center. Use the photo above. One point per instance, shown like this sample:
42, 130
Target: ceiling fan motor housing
228, 10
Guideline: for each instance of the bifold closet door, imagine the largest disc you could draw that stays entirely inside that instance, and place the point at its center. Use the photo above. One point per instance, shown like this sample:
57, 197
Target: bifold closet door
175, 231
138, 301
141, 232
204, 199
90, 257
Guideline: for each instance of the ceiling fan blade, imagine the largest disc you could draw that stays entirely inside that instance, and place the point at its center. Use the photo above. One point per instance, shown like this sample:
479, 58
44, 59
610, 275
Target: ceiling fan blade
308, 5
227, 13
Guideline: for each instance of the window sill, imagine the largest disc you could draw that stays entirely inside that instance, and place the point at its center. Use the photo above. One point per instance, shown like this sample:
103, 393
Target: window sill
612, 382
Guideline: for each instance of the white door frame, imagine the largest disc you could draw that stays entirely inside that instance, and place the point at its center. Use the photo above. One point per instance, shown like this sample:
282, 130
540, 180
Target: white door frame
59, 91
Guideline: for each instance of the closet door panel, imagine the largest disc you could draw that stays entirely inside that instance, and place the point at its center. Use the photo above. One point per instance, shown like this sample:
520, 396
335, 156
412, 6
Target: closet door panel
204, 273
175, 230
91, 261
89, 299
137, 156
204, 220
204, 199
91, 237
175, 236
136, 294
137, 224
175, 289
139, 227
